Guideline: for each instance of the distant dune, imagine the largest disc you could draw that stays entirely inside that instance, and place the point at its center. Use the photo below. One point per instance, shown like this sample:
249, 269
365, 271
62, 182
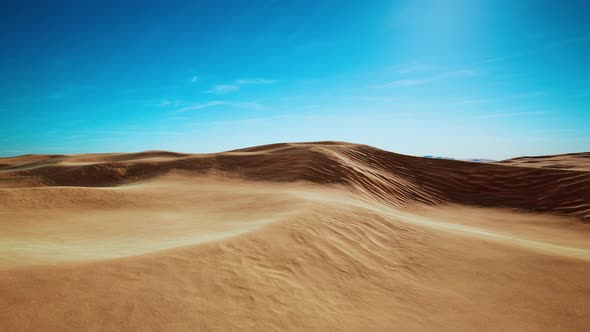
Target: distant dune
388, 177
570, 161
294, 236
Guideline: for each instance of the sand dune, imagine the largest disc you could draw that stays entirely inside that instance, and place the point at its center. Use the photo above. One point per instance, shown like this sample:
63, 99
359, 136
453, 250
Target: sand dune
298, 236
570, 161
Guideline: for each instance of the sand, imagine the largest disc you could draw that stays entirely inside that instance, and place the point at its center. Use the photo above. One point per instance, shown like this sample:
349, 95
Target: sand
571, 161
300, 236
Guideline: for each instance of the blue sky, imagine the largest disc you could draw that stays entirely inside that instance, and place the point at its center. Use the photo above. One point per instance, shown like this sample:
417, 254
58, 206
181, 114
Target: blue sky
489, 79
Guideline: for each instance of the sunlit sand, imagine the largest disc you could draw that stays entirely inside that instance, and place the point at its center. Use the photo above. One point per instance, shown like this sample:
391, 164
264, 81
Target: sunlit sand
322, 236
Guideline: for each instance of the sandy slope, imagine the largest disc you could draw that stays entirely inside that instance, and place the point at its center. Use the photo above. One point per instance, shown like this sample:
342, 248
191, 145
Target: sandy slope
323, 236
571, 161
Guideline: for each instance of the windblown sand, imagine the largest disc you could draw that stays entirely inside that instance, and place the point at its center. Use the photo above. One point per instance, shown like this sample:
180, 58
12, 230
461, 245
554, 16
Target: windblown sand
571, 161
317, 236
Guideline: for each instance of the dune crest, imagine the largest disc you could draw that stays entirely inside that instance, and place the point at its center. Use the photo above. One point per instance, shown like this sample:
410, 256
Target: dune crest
377, 174
570, 161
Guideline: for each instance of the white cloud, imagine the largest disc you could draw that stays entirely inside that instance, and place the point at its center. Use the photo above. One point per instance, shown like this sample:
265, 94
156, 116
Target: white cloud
384, 99
173, 103
194, 79
237, 84
239, 104
424, 80
498, 99
223, 88
505, 115
256, 81
475, 101
199, 106
399, 83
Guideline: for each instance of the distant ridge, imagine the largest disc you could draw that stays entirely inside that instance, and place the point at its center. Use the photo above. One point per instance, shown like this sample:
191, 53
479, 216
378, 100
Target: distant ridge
571, 161
375, 174
474, 160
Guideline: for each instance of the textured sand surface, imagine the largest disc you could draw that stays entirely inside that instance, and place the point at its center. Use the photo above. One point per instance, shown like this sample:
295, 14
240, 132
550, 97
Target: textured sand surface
571, 161
315, 236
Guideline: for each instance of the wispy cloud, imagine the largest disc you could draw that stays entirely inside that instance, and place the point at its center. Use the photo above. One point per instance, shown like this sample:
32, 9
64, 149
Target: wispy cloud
223, 88
237, 84
384, 99
256, 81
510, 114
477, 101
498, 99
194, 79
200, 106
405, 82
169, 103
425, 80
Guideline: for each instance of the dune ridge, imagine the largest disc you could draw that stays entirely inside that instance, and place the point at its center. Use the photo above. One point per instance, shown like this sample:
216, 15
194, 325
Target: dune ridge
571, 161
376, 174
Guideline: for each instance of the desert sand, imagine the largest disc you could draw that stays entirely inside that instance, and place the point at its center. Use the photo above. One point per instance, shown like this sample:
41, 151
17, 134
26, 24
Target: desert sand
322, 236
572, 161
